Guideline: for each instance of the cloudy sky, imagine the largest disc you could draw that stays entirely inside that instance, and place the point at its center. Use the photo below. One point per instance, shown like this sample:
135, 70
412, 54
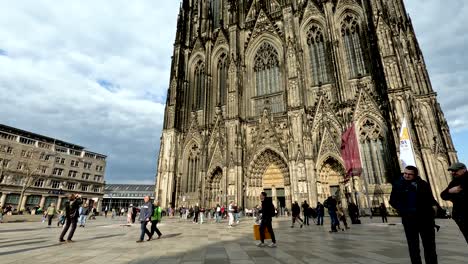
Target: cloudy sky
95, 73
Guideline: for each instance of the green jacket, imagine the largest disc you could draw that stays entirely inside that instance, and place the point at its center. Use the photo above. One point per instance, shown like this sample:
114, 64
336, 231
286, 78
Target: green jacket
156, 214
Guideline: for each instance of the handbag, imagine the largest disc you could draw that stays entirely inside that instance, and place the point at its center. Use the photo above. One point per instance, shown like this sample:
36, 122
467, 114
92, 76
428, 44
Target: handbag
256, 229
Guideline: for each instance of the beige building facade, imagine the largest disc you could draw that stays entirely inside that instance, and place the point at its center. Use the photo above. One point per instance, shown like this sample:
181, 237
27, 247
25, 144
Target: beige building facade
36, 170
261, 92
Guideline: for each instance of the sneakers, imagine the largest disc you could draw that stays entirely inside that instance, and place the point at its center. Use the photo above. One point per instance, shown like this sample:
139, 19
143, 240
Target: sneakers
301, 225
149, 238
61, 240
159, 236
272, 245
139, 241
260, 244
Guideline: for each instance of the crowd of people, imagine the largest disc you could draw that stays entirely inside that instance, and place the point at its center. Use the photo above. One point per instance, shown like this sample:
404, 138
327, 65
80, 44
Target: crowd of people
411, 197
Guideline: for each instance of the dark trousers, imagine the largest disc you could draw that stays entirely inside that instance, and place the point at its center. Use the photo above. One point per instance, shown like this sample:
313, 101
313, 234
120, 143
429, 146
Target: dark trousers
415, 227
306, 219
298, 218
463, 225
72, 222
384, 218
144, 230
195, 218
49, 218
263, 225
334, 220
154, 228
320, 220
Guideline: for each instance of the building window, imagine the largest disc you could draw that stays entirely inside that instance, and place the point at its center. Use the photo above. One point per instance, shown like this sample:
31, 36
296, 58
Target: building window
26, 154
216, 11
353, 44
43, 169
75, 153
89, 155
97, 177
7, 136
55, 184
97, 189
99, 168
60, 160
12, 198
87, 165
44, 145
60, 149
267, 72
72, 173
20, 166
39, 183
71, 186
9, 150
4, 163
100, 157
318, 56
74, 163
85, 176
199, 84
27, 141
57, 171
222, 75
84, 187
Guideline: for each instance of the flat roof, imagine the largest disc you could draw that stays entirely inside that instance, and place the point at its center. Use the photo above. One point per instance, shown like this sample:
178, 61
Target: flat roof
31, 135
129, 188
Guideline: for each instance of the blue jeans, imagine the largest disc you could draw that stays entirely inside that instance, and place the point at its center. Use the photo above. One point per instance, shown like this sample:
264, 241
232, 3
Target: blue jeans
82, 220
320, 220
144, 230
334, 220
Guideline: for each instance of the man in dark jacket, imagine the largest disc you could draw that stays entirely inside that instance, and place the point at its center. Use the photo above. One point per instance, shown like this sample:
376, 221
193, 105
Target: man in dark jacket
146, 210
330, 204
71, 214
320, 213
456, 192
305, 211
413, 199
267, 211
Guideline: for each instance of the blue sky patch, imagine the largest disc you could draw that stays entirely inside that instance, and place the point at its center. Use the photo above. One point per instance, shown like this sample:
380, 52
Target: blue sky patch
109, 86
3, 52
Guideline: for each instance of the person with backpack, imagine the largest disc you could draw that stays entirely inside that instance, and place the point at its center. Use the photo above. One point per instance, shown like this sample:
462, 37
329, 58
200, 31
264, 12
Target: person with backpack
306, 212
71, 214
155, 219
320, 212
330, 204
267, 210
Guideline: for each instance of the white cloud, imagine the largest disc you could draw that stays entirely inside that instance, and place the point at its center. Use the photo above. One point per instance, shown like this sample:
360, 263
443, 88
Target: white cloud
441, 30
54, 53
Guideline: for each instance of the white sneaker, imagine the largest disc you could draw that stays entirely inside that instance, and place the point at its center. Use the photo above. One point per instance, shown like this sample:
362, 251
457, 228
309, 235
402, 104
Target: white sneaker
272, 245
260, 244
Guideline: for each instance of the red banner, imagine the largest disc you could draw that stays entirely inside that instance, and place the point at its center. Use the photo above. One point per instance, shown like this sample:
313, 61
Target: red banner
350, 152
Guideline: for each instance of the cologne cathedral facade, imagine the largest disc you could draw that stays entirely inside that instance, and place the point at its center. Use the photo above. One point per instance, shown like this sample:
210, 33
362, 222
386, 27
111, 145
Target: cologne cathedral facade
261, 92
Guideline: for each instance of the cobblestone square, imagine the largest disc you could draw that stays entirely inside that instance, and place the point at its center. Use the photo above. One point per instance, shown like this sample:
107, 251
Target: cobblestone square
105, 240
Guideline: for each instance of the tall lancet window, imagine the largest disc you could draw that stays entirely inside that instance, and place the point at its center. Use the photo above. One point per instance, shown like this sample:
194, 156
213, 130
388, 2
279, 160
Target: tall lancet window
352, 40
216, 10
222, 79
267, 72
318, 56
374, 153
192, 168
199, 84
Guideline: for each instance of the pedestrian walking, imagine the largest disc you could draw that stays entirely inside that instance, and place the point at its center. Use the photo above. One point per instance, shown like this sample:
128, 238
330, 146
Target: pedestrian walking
330, 204
231, 213
196, 212
155, 219
202, 215
1, 213
306, 212
457, 193
50, 213
130, 214
340, 211
296, 214
383, 212
83, 215
412, 197
267, 210
71, 214
146, 210
353, 212
105, 211
320, 213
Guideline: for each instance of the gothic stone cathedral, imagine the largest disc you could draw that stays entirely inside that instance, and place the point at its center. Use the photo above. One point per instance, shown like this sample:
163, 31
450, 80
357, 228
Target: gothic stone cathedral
261, 92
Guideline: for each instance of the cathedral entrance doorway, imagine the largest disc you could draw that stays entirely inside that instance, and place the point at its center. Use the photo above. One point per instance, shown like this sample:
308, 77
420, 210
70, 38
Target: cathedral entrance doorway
331, 181
269, 173
214, 189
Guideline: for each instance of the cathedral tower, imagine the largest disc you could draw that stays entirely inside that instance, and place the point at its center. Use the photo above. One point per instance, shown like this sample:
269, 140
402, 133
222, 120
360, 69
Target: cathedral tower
261, 92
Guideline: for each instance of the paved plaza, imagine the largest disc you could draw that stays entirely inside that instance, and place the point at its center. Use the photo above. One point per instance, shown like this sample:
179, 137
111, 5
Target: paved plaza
106, 241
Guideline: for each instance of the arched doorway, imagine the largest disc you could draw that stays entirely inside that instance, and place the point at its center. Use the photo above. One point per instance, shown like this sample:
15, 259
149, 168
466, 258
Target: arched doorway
214, 188
269, 173
331, 180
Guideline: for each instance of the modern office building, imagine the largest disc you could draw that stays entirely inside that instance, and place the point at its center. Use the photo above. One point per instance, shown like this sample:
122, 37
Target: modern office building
118, 196
46, 170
